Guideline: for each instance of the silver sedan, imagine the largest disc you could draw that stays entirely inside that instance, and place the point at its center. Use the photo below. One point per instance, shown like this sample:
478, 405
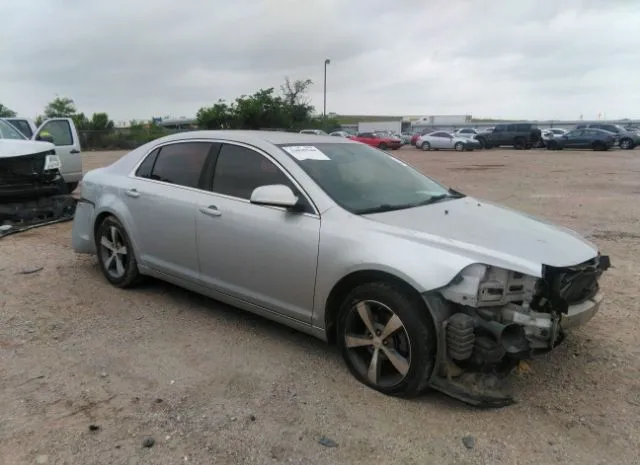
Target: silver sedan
441, 140
419, 285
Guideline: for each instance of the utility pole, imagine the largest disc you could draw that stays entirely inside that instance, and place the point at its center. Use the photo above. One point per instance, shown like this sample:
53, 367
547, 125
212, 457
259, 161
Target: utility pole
324, 108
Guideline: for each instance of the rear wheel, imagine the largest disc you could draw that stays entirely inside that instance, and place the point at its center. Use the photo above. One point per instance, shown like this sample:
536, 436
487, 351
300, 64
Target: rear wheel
519, 143
459, 146
552, 145
382, 146
598, 146
387, 340
115, 254
425, 146
626, 144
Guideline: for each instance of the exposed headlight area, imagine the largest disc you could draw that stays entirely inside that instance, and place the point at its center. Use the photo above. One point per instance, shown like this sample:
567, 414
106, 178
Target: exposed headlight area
481, 285
52, 161
500, 314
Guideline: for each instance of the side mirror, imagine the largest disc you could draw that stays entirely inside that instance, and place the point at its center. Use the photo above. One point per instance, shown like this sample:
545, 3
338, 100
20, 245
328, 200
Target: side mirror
275, 195
45, 138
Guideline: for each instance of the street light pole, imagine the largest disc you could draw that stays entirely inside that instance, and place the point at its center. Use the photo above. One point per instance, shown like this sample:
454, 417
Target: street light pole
324, 108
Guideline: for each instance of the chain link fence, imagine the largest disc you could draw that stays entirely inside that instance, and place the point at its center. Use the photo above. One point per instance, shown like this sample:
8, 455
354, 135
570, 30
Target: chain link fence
122, 138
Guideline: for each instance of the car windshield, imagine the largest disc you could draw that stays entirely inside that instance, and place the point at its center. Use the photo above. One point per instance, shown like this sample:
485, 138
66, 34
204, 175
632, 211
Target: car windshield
9, 132
362, 179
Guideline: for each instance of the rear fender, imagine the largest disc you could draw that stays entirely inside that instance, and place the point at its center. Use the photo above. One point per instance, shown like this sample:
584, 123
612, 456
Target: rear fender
111, 204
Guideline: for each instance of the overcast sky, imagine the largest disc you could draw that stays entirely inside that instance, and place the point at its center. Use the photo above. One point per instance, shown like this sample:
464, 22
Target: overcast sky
539, 59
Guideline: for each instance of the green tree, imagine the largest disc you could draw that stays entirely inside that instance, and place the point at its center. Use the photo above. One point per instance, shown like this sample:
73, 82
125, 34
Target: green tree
101, 122
6, 112
265, 109
218, 116
81, 121
60, 107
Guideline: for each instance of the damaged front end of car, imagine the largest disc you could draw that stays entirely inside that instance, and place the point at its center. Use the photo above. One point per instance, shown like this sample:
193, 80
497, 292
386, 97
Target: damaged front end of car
32, 192
490, 319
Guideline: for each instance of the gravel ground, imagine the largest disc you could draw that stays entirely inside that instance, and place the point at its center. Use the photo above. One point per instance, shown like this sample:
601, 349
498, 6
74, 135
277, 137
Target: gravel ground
88, 372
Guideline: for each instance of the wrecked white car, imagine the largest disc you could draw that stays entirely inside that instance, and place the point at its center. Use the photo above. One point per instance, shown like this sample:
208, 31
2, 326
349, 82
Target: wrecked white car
419, 285
32, 189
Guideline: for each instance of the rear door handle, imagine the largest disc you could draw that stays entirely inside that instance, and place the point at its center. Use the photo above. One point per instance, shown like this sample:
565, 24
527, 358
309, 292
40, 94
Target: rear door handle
132, 193
211, 210
74, 151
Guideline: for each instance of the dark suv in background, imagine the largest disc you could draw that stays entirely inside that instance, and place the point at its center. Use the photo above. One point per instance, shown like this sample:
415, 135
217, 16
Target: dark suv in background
519, 135
626, 139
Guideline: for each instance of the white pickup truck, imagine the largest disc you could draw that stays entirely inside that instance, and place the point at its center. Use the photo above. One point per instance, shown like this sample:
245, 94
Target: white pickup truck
63, 134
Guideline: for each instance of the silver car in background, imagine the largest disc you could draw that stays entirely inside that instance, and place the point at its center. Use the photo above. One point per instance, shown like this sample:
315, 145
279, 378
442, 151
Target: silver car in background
442, 140
419, 285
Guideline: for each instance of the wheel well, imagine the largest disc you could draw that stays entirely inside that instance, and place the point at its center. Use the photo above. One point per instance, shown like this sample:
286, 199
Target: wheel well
101, 217
345, 285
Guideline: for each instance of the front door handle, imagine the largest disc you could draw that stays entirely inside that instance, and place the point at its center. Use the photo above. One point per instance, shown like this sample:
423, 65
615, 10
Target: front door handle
211, 210
132, 193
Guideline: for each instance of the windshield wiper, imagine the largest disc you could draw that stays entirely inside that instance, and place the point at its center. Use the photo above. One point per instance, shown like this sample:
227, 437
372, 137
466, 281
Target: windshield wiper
385, 207
388, 207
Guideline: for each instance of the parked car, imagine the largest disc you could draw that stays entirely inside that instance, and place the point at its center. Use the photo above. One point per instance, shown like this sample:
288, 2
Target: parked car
465, 132
418, 284
376, 139
627, 140
32, 189
552, 133
341, 134
441, 140
63, 134
519, 135
591, 138
417, 135
317, 132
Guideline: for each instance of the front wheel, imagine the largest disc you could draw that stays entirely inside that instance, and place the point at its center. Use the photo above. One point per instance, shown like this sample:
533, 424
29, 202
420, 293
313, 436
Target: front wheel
459, 147
387, 339
425, 146
115, 254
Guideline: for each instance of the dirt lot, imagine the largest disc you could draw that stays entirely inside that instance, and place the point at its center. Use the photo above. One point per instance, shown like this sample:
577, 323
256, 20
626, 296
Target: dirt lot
212, 384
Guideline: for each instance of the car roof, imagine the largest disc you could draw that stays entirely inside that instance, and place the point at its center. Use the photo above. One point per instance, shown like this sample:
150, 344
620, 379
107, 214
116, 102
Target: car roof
272, 137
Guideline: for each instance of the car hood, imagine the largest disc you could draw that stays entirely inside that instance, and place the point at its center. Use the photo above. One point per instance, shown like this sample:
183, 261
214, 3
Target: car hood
489, 233
17, 148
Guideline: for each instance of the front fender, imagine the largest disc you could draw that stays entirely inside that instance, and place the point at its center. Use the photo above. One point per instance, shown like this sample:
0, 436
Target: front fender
341, 255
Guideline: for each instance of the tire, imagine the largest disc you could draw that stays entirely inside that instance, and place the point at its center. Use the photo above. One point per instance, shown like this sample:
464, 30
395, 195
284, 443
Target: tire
426, 146
459, 146
413, 343
483, 143
552, 145
72, 186
382, 146
519, 143
598, 146
127, 275
626, 144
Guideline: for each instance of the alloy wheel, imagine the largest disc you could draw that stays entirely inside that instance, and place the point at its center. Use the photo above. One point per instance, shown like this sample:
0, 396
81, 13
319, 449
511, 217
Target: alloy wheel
377, 343
115, 256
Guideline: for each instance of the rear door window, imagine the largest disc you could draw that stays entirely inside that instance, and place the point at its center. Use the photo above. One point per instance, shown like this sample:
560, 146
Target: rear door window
182, 163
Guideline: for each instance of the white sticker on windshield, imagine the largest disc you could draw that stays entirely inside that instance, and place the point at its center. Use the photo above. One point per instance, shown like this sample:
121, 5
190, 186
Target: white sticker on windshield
305, 152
